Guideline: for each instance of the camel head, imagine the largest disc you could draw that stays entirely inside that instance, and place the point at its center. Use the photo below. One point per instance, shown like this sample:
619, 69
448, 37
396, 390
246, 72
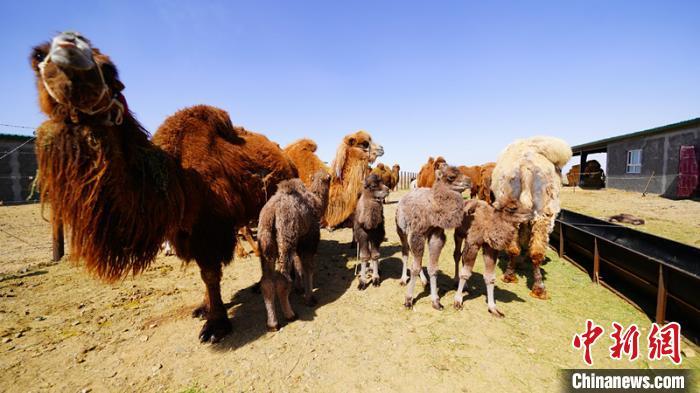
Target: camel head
374, 185
74, 78
356, 148
452, 177
438, 162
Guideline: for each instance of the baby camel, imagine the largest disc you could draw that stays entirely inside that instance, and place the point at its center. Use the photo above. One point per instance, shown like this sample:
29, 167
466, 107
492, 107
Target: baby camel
368, 227
425, 213
492, 230
288, 237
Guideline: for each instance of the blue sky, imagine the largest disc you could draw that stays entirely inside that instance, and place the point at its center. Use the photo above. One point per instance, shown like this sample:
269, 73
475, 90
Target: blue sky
458, 79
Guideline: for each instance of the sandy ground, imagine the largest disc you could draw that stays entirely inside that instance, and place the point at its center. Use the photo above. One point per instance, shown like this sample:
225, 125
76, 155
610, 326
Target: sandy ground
676, 220
64, 331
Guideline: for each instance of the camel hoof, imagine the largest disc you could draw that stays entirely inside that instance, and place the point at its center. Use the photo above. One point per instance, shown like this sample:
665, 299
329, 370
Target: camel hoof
408, 303
200, 312
376, 282
539, 293
311, 301
437, 305
509, 278
214, 330
362, 285
458, 305
274, 328
403, 282
291, 318
496, 313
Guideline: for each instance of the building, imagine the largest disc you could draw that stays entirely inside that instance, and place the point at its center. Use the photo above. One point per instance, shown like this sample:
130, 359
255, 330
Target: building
17, 169
651, 159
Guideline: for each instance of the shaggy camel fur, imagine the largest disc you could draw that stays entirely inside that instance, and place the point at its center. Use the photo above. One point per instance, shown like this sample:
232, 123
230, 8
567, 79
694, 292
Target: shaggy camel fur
474, 175
348, 170
529, 171
484, 188
426, 175
303, 154
487, 229
289, 233
425, 213
368, 227
122, 195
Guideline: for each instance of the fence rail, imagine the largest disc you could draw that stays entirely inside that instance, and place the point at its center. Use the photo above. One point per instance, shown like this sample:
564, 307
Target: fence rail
405, 179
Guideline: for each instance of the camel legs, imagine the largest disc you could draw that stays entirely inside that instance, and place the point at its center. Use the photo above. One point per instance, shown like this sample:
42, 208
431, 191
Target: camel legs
435, 244
308, 264
490, 256
457, 254
217, 324
374, 260
417, 248
539, 237
468, 259
267, 286
363, 244
404, 255
513, 253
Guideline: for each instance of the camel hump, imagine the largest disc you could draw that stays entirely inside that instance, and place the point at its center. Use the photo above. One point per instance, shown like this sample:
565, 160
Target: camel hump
556, 150
291, 186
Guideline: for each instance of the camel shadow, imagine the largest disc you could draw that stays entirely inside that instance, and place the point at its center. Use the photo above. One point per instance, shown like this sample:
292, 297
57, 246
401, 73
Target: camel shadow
523, 268
332, 279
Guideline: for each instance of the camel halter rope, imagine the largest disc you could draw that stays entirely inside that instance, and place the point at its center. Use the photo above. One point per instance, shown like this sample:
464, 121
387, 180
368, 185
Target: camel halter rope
94, 108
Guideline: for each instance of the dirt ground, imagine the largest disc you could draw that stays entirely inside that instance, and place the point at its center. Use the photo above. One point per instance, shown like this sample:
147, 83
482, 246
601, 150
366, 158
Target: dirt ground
676, 220
65, 331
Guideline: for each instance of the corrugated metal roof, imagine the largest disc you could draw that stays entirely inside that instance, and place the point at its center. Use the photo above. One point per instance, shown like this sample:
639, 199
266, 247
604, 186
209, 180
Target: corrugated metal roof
602, 144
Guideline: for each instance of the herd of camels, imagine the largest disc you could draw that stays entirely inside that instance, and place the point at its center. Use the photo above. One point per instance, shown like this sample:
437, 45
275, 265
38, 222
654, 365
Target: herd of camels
200, 179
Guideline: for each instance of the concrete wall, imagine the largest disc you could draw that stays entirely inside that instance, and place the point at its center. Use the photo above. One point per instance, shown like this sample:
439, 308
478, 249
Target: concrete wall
17, 170
660, 155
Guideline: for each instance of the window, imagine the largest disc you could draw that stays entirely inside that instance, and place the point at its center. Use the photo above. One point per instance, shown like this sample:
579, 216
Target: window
634, 161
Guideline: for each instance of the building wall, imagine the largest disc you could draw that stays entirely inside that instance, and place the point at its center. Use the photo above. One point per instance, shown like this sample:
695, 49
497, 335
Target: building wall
17, 170
660, 155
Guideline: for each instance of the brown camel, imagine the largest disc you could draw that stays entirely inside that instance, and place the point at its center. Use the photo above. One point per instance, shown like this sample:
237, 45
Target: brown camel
484, 188
390, 177
303, 154
424, 214
289, 233
194, 184
368, 227
474, 174
483, 227
426, 175
395, 172
348, 170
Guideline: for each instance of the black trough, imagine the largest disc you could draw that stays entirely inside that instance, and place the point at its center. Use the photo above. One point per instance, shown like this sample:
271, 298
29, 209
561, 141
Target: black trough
659, 276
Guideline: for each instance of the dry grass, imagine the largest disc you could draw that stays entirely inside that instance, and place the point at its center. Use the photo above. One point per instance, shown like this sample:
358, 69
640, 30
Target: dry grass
137, 335
676, 220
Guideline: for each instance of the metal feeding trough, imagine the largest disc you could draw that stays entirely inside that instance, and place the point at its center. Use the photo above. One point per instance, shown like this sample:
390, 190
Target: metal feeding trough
659, 276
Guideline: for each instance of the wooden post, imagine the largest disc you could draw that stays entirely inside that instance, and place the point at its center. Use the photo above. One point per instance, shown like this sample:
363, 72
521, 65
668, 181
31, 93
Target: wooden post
661, 297
57, 241
561, 239
596, 262
647, 186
